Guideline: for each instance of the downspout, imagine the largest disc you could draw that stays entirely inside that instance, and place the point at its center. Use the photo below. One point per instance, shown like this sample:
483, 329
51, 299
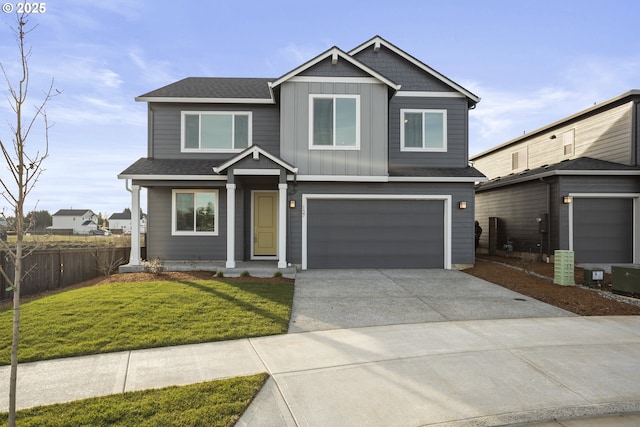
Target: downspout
549, 216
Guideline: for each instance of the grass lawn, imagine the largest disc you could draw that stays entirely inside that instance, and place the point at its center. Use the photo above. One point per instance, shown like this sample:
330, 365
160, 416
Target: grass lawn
211, 404
134, 315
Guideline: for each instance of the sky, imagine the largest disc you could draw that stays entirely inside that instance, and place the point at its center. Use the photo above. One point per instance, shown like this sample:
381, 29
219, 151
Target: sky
531, 63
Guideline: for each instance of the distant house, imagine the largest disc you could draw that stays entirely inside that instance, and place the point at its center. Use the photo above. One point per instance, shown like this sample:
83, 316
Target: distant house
121, 222
571, 185
75, 221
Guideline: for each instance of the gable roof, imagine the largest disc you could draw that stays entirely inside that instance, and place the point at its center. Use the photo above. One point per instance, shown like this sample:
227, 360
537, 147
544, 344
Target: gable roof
595, 109
578, 166
213, 89
378, 41
72, 212
254, 150
335, 54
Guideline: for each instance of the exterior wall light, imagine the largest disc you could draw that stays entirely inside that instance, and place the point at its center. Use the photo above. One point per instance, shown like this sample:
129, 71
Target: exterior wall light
567, 199
292, 204
462, 205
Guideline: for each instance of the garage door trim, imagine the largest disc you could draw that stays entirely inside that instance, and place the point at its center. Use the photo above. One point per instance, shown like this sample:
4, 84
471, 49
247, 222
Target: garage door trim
447, 215
636, 216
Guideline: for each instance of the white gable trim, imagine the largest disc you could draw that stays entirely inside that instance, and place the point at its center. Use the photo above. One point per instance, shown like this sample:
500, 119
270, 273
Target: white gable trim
377, 41
184, 100
255, 151
335, 53
419, 94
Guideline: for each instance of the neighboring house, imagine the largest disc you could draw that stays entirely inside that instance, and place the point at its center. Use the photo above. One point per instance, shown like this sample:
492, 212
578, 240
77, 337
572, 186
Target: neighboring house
579, 175
122, 221
351, 160
78, 221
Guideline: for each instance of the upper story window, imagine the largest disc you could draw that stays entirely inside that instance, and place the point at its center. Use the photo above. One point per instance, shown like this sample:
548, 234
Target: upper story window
194, 212
334, 122
423, 130
225, 131
519, 159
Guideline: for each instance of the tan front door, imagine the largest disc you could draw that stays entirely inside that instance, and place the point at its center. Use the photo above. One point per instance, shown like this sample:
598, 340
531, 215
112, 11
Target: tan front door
265, 220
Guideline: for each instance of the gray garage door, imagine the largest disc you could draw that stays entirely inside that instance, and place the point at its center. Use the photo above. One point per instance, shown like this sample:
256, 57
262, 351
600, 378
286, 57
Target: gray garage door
375, 234
603, 230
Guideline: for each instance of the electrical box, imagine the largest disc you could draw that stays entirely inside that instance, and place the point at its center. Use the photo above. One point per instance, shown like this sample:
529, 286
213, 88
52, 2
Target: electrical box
593, 277
625, 279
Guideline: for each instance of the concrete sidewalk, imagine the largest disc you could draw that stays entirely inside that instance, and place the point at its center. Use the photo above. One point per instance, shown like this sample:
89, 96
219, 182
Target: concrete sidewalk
486, 372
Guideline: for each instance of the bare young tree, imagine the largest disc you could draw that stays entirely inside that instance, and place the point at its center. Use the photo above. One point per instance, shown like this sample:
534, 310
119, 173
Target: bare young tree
24, 165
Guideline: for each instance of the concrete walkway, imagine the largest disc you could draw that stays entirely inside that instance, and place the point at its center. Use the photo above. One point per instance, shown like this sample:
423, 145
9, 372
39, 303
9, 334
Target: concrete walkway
446, 371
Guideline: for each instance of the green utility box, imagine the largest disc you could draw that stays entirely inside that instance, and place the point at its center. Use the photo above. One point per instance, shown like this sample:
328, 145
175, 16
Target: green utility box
593, 276
625, 279
563, 268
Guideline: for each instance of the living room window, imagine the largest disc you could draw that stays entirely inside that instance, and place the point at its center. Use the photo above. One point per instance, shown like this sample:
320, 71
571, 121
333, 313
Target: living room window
423, 130
334, 122
222, 131
194, 212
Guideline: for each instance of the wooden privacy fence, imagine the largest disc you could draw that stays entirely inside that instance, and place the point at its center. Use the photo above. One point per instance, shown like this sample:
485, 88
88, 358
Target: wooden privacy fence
51, 269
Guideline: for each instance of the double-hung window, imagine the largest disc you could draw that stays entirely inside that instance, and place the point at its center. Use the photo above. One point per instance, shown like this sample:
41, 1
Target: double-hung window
194, 212
334, 122
225, 131
423, 130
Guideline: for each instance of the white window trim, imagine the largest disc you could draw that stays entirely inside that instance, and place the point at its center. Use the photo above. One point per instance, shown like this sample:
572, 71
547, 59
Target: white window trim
216, 218
183, 114
423, 148
334, 147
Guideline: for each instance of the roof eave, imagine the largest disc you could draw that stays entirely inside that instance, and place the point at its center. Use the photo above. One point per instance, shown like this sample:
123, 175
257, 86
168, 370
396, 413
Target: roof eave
189, 100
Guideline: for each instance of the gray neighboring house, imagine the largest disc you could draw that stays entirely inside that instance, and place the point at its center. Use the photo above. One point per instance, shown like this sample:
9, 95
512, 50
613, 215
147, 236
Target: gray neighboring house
354, 159
580, 176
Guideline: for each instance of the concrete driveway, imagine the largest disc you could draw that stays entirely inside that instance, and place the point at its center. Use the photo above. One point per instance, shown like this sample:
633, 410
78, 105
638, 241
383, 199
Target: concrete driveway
334, 299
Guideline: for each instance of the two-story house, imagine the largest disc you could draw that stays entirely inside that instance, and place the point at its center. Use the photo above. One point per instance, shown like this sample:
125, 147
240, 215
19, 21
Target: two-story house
351, 160
120, 222
75, 221
572, 185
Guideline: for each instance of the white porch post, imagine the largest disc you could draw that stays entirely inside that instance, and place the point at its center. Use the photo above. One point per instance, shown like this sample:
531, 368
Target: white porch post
282, 226
134, 257
231, 225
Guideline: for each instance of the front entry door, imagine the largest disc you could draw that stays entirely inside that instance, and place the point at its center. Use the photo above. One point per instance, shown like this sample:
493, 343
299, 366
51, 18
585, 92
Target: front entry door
265, 223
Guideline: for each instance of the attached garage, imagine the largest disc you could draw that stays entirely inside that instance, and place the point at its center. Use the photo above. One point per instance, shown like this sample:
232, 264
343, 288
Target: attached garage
394, 231
602, 229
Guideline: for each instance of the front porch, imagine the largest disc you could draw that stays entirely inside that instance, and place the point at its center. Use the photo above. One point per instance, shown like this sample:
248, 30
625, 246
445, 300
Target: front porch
254, 268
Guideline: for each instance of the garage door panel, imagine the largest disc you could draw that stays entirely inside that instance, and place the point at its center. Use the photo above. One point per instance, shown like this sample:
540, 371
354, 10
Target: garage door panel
602, 230
375, 234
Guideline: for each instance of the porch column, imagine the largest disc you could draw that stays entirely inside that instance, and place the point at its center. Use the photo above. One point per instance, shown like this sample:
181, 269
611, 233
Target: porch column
282, 226
134, 257
231, 225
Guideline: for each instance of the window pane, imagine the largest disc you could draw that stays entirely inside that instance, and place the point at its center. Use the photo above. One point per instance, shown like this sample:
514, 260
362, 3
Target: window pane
184, 212
191, 131
433, 130
216, 131
323, 121
241, 131
413, 130
205, 212
346, 122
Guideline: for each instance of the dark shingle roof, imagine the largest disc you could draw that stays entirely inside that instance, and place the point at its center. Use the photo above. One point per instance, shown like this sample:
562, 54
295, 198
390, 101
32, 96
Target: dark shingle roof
214, 88
566, 167
72, 212
183, 167
468, 172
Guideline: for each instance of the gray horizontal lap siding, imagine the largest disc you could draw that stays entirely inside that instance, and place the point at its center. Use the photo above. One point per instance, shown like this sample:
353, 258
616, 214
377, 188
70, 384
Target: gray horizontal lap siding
401, 71
165, 129
457, 131
462, 243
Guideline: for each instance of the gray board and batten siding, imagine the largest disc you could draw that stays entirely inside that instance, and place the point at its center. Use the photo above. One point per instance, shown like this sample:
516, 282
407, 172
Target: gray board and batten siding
369, 160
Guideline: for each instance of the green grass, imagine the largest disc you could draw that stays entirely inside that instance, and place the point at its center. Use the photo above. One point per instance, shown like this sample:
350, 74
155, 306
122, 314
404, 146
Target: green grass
126, 316
215, 403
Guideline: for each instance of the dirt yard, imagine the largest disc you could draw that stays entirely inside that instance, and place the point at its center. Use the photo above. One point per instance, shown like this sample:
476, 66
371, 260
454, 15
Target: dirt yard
525, 279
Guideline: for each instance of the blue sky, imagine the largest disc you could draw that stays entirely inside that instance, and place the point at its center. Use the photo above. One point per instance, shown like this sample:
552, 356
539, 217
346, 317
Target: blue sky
531, 62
